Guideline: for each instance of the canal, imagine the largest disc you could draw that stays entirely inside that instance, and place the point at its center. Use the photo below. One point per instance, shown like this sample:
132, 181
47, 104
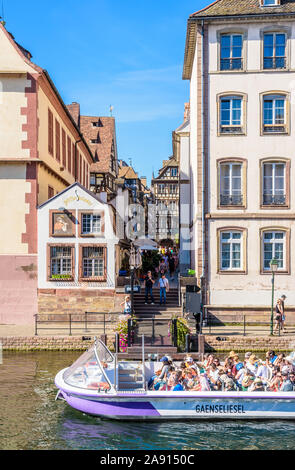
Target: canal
31, 419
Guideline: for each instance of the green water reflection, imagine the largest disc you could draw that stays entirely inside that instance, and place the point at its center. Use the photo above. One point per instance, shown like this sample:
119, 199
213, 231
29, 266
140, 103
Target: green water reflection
31, 419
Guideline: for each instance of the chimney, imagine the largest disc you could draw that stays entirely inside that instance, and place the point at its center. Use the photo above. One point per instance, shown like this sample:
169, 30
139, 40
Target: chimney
74, 110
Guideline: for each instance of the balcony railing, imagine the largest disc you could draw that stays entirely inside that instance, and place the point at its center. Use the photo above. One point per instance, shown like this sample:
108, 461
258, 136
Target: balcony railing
230, 129
274, 128
231, 64
274, 63
231, 200
274, 200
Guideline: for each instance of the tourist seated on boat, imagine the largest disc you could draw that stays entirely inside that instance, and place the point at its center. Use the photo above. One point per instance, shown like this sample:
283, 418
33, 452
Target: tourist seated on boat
213, 375
292, 380
257, 386
229, 385
285, 384
247, 381
289, 365
208, 359
264, 371
177, 381
279, 361
247, 355
237, 365
161, 373
273, 385
271, 355
190, 379
252, 363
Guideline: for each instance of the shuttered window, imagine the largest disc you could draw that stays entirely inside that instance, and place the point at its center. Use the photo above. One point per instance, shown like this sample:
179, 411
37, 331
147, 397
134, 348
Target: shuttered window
64, 149
69, 155
57, 140
50, 132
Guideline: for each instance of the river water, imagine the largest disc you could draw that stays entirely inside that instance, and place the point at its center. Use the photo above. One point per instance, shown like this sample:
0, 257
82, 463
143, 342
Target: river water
30, 418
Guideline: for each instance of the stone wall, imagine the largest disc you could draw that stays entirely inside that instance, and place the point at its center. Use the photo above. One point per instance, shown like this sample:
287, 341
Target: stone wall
78, 301
249, 343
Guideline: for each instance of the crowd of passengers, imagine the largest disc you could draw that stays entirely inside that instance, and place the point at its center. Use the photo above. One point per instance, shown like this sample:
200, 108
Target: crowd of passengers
275, 373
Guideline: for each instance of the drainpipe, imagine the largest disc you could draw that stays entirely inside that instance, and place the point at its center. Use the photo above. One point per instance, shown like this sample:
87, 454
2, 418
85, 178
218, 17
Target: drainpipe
77, 141
203, 170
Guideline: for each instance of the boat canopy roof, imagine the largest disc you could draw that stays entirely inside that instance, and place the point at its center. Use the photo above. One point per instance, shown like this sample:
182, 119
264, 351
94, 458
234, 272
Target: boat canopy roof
89, 371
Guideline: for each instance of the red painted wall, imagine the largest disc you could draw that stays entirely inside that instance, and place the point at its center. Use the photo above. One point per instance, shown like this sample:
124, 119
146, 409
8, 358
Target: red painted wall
18, 289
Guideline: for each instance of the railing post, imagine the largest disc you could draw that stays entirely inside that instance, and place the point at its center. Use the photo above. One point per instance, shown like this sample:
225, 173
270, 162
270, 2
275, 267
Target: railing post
117, 343
129, 323
244, 325
187, 343
36, 324
153, 330
174, 332
209, 321
85, 322
143, 363
70, 324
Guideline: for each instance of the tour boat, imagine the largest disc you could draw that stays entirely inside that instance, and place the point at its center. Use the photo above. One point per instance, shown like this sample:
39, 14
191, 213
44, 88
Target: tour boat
99, 385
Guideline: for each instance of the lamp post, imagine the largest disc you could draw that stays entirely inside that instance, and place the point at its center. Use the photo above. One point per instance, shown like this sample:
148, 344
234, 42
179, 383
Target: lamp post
273, 267
134, 262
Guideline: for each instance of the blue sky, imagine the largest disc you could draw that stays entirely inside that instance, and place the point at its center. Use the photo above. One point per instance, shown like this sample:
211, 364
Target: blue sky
128, 54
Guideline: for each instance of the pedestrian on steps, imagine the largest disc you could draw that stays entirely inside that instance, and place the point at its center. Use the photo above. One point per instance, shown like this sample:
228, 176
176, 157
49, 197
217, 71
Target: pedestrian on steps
164, 288
149, 283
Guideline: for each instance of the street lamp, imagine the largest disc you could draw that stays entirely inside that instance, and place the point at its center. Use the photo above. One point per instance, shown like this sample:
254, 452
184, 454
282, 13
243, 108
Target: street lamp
134, 262
273, 267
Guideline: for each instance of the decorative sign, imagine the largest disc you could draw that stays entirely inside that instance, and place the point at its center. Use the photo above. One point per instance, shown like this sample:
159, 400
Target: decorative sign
62, 224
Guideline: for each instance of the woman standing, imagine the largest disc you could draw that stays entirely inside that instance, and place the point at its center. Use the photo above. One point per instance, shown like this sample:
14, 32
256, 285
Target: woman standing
279, 314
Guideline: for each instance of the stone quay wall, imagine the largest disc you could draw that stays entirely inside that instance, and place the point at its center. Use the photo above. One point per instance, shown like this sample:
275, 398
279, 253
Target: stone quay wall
67, 343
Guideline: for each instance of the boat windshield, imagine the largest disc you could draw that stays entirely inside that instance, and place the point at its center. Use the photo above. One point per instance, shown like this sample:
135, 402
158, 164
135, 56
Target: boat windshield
88, 372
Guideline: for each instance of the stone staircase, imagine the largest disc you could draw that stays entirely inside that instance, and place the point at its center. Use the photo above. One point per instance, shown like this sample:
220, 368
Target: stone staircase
130, 376
153, 320
157, 310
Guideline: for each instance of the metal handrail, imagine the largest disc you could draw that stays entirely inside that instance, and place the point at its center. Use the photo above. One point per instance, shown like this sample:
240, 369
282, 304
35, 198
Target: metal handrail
69, 321
100, 364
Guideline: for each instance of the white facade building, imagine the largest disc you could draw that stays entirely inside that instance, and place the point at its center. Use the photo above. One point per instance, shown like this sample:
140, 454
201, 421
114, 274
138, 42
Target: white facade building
77, 245
240, 60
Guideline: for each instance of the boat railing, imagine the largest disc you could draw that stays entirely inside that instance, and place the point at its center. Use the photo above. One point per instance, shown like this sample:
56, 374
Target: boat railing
106, 350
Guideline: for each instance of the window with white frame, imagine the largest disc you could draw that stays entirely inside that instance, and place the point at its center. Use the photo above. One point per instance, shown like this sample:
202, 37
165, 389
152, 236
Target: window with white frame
231, 52
274, 247
274, 183
231, 114
161, 188
91, 224
93, 262
174, 171
274, 113
173, 188
61, 266
231, 184
274, 51
231, 250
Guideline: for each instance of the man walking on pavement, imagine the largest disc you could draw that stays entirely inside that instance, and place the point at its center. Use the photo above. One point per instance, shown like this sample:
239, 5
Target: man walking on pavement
149, 282
164, 288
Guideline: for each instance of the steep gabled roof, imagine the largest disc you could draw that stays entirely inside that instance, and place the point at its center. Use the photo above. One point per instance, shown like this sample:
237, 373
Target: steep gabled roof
127, 173
243, 7
104, 133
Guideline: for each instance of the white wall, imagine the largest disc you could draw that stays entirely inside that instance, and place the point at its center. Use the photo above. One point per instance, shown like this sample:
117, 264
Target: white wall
74, 199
